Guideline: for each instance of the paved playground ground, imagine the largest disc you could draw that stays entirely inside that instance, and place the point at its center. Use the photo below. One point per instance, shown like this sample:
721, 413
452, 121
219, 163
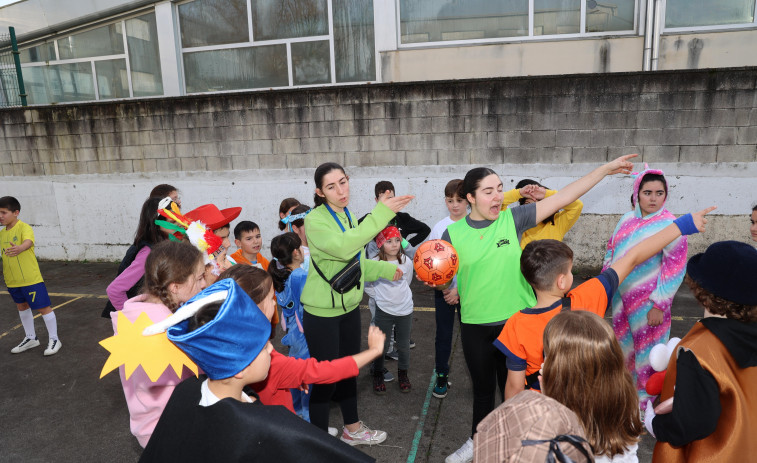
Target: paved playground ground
57, 409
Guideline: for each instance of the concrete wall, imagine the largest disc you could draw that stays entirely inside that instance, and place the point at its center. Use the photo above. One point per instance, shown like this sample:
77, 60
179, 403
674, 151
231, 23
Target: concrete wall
514, 59
700, 50
81, 172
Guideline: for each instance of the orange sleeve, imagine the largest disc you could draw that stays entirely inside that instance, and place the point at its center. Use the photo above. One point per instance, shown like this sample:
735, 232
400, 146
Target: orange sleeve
509, 344
263, 261
590, 296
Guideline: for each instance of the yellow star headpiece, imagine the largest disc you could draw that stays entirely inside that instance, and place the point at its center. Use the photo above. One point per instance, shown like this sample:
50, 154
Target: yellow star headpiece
131, 349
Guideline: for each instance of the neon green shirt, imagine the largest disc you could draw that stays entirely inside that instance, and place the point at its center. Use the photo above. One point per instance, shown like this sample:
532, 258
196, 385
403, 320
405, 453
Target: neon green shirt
23, 269
332, 249
489, 280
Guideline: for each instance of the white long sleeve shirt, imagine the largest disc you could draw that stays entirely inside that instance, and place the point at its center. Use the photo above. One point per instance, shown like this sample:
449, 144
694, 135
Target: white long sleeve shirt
393, 297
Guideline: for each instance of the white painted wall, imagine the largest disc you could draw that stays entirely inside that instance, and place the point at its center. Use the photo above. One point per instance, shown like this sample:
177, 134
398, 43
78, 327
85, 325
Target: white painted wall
94, 217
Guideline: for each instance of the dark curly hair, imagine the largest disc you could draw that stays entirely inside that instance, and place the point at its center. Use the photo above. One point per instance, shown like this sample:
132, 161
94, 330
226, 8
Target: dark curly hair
719, 306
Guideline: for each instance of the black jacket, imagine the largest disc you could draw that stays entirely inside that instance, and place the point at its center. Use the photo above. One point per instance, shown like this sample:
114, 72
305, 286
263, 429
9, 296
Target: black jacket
409, 226
233, 431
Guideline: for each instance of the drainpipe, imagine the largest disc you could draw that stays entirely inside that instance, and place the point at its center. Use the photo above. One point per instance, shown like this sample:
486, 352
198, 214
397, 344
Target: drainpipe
656, 34
647, 60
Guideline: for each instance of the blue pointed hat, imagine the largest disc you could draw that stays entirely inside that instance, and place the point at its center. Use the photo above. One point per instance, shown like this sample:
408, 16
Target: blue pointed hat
228, 343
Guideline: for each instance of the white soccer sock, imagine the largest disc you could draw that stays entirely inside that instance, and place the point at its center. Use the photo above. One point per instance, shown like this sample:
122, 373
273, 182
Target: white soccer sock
27, 319
51, 324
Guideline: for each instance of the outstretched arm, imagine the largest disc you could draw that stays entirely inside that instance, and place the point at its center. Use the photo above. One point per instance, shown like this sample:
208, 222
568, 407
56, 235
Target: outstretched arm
654, 244
575, 190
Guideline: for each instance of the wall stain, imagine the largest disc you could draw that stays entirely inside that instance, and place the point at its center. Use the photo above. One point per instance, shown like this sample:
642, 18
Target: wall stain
604, 57
695, 51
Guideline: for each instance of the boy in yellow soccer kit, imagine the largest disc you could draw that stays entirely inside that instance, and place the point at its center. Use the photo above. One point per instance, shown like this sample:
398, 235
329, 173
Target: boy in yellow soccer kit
23, 278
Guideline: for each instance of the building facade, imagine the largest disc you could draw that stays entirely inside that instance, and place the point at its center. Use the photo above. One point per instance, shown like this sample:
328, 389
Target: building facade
237, 101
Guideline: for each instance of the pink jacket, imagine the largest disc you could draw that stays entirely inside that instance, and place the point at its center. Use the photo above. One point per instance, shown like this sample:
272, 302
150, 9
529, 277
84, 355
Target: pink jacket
144, 398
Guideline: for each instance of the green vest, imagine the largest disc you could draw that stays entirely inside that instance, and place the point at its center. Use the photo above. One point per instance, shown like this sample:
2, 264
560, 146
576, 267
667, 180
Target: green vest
489, 281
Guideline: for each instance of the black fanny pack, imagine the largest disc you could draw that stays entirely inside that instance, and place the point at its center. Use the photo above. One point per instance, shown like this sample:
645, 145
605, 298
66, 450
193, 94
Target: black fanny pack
345, 279
349, 276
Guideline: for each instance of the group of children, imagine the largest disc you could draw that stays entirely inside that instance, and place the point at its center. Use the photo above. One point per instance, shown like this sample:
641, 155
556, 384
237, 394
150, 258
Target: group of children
552, 337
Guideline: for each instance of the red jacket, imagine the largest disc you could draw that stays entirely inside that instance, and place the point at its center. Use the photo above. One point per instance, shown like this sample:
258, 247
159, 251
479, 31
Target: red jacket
286, 373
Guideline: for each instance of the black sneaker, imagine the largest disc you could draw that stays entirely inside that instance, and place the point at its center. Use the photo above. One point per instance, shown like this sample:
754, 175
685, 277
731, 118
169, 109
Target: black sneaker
404, 381
412, 344
388, 377
442, 385
378, 384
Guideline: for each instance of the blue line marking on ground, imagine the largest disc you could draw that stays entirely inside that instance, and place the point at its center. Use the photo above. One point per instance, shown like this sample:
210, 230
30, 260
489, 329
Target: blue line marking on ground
422, 422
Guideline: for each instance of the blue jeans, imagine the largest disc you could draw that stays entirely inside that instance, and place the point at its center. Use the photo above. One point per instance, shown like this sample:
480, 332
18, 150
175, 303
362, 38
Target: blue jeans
445, 324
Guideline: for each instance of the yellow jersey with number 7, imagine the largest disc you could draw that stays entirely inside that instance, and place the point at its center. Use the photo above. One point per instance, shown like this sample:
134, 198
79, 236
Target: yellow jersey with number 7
23, 269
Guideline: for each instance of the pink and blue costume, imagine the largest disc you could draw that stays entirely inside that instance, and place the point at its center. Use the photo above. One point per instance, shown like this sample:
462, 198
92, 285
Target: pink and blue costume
651, 284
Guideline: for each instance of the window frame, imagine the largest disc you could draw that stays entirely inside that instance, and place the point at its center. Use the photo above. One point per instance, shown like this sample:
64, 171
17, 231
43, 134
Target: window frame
92, 59
711, 28
251, 42
637, 30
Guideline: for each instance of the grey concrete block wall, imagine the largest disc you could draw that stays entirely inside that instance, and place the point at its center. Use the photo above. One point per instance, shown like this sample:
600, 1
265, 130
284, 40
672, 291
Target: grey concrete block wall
682, 116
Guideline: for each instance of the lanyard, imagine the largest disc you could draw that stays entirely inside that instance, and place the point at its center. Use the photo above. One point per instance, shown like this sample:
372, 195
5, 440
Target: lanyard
339, 222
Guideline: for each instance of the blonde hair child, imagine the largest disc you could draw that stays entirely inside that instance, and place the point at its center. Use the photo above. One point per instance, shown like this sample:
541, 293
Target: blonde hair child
584, 370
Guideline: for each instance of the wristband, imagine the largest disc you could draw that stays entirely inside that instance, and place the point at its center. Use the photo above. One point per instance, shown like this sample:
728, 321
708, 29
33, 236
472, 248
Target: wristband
685, 223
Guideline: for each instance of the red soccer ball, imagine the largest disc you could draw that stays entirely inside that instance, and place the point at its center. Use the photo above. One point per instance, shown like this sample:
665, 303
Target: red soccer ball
435, 262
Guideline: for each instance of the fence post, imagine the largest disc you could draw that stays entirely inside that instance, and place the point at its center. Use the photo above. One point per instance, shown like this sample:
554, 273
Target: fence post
17, 61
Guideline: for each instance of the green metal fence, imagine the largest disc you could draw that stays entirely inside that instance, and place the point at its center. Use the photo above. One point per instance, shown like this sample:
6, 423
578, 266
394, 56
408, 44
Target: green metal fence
11, 82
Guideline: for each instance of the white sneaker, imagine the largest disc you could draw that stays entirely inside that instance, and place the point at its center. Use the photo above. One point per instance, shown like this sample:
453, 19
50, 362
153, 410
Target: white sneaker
462, 455
333, 431
363, 436
53, 346
26, 344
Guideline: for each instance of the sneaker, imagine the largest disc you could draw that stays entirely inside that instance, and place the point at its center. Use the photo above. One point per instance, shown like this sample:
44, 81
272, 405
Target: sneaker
53, 346
333, 431
378, 384
388, 377
366, 436
392, 355
462, 455
26, 344
404, 381
442, 385
412, 344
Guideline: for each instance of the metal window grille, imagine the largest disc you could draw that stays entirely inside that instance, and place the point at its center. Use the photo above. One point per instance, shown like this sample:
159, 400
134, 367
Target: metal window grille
11, 83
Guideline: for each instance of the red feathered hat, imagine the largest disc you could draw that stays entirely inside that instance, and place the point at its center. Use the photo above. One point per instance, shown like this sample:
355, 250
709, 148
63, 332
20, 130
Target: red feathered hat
212, 217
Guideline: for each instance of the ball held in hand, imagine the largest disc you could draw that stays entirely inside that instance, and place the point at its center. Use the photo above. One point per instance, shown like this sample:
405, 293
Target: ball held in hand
435, 262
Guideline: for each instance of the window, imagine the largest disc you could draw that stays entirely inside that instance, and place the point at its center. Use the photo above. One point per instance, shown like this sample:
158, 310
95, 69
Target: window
118, 60
59, 83
693, 13
428, 21
248, 44
144, 55
284, 19
236, 68
353, 40
213, 22
38, 54
103, 41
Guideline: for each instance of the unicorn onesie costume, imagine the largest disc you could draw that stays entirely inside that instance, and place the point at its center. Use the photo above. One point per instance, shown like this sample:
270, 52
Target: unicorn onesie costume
651, 284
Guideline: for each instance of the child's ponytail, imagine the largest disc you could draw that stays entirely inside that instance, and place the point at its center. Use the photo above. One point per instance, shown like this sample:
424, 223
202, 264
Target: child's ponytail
169, 262
282, 248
